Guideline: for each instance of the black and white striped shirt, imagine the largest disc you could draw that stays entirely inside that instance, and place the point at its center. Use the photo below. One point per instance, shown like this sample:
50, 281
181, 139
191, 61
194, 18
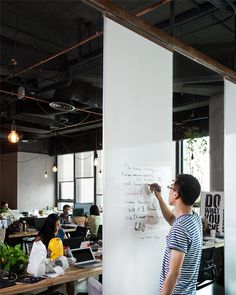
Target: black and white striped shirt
186, 236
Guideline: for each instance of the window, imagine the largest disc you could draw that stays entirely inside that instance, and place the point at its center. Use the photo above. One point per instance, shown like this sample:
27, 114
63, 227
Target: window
84, 190
196, 160
65, 179
76, 179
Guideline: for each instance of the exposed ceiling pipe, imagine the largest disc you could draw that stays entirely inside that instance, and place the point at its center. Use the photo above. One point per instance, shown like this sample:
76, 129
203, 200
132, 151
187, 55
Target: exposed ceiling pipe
77, 127
224, 5
82, 92
43, 101
97, 34
66, 82
151, 8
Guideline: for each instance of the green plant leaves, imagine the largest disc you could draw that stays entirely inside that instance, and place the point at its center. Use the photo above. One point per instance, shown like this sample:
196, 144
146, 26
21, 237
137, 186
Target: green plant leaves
11, 256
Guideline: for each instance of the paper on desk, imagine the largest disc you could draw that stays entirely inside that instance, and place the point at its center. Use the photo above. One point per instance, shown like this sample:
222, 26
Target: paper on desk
58, 271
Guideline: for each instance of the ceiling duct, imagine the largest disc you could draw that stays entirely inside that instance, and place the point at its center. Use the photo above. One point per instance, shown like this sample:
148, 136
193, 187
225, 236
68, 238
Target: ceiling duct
226, 5
82, 92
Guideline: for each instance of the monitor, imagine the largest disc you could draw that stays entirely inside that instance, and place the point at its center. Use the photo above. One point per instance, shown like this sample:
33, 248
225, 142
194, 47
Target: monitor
85, 206
78, 212
39, 222
29, 220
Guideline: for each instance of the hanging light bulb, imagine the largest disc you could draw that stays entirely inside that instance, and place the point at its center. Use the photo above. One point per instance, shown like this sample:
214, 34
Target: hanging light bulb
95, 162
13, 136
100, 173
46, 172
54, 168
20, 92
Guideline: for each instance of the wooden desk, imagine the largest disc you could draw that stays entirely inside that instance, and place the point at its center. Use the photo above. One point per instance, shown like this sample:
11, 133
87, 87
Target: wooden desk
218, 243
72, 274
22, 234
34, 233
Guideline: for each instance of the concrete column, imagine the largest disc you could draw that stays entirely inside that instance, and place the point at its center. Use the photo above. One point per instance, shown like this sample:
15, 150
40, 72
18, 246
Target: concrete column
216, 133
8, 179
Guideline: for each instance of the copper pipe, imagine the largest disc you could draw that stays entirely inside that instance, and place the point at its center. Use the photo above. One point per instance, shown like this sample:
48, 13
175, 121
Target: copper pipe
44, 101
151, 8
98, 34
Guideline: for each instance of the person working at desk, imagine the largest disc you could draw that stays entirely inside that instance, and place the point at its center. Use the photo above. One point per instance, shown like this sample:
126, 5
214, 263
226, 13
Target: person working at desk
4, 207
50, 229
93, 220
184, 241
64, 216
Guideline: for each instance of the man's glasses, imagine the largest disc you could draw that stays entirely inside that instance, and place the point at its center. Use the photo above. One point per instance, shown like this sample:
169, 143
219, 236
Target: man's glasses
171, 187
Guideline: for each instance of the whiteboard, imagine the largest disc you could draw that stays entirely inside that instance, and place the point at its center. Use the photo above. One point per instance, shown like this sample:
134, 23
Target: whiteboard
137, 135
142, 213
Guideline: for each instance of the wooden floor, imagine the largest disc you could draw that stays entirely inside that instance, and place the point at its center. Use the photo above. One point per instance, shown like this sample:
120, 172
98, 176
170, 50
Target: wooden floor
213, 289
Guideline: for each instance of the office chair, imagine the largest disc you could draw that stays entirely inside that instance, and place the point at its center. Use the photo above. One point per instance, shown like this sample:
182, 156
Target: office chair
27, 244
99, 233
94, 287
207, 271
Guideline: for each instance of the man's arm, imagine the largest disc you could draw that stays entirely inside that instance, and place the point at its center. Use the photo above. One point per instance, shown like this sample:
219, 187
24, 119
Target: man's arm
176, 261
167, 213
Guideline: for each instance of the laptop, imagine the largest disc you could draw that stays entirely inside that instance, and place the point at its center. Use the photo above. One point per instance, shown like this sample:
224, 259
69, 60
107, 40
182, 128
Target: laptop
73, 243
39, 222
85, 258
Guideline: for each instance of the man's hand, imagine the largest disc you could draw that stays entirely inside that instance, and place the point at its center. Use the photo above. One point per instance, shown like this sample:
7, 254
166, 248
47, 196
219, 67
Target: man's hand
155, 187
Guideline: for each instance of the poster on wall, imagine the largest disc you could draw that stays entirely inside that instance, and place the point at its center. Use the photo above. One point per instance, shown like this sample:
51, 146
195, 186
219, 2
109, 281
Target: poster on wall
212, 208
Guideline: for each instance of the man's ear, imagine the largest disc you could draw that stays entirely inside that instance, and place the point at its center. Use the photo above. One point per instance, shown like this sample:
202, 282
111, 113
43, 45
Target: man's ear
176, 195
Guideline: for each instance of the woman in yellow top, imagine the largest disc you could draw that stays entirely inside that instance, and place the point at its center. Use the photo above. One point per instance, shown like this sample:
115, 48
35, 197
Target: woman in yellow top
94, 220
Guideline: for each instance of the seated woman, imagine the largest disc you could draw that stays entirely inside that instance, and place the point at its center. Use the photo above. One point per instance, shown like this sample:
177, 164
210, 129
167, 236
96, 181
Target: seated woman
94, 220
50, 229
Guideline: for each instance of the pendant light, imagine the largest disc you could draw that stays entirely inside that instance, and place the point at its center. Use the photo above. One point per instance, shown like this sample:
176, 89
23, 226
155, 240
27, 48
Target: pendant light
46, 172
54, 168
100, 173
13, 136
95, 161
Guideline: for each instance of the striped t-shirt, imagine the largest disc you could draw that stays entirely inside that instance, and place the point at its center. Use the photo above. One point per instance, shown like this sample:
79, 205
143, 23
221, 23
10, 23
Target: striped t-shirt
186, 236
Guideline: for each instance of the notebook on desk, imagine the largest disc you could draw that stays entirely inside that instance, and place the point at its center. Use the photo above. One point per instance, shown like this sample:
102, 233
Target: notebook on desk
85, 257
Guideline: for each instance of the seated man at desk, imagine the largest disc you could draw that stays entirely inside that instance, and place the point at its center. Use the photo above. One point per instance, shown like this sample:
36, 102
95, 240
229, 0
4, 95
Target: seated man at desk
5, 207
64, 216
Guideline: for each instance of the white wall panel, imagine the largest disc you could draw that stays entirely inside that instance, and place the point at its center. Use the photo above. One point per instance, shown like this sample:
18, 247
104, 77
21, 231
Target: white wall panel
34, 191
230, 187
138, 133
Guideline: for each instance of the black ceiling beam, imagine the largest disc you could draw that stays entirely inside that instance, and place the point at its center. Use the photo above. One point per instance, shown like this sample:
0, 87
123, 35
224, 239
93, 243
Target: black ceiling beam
154, 34
188, 16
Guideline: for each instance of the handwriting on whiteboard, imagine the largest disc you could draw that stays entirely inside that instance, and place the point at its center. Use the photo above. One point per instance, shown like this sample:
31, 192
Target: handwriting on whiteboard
142, 211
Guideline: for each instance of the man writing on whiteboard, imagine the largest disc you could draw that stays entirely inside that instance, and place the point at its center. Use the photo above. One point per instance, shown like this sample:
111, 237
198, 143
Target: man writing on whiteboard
184, 241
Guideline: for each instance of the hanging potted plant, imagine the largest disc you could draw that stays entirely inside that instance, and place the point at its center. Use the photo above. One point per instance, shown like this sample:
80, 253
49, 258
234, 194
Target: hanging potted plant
12, 259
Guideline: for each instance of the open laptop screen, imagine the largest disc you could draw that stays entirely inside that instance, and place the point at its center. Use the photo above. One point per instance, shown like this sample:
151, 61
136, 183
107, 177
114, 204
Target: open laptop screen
73, 243
83, 255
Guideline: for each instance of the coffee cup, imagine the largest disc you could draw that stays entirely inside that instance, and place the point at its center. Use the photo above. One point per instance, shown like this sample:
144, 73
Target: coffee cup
213, 233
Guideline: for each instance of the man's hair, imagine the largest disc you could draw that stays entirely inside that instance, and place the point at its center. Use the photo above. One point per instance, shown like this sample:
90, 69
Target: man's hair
188, 188
66, 206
